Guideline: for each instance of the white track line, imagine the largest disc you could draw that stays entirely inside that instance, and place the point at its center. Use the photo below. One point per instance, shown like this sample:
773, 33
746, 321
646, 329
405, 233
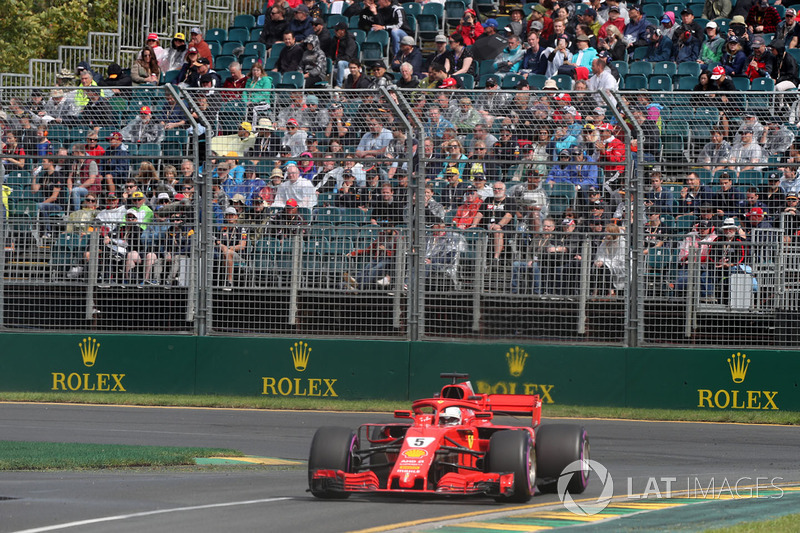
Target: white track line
146, 513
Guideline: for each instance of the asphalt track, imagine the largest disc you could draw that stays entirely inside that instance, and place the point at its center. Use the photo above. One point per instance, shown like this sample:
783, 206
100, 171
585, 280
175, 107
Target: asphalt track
254, 498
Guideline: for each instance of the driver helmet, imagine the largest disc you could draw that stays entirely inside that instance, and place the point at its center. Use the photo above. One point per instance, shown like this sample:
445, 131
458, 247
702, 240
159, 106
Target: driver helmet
451, 416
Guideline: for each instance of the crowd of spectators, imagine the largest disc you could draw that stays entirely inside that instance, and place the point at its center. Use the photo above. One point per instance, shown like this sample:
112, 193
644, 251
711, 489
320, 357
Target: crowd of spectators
536, 170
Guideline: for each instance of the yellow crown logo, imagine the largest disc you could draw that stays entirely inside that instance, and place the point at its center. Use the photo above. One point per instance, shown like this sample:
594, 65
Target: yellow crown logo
89, 348
516, 357
738, 364
300, 354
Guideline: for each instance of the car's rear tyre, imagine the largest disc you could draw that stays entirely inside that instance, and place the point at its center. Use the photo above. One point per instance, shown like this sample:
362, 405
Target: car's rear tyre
331, 449
558, 445
513, 451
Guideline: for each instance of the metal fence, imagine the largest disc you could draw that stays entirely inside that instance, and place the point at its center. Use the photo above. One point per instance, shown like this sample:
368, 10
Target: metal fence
546, 216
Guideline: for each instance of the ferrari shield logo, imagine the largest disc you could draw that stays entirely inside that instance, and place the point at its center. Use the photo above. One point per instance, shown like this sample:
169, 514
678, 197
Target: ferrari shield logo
469, 441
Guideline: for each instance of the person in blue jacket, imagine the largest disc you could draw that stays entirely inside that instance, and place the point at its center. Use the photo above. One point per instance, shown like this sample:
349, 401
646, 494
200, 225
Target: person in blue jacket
734, 60
687, 48
660, 48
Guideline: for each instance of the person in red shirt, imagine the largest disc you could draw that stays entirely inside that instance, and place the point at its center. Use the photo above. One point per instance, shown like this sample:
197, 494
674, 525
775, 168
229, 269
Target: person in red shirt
614, 19
203, 50
762, 18
466, 212
539, 14
611, 154
470, 27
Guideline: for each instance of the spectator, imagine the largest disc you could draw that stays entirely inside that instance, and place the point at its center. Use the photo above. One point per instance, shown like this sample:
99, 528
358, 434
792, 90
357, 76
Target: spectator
535, 59
294, 140
686, 48
614, 19
538, 14
407, 78
368, 16
657, 196
787, 30
295, 188
716, 9
143, 129
727, 254
694, 195
558, 55
668, 26
313, 63
300, 25
728, 199
660, 47
712, 48
385, 211
510, 59
469, 27
58, 108
699, 239
98, 112
291, 55
380, 78
175, 55
342, 50
202, 74
614, 45
393, 20
231, 241
734, 60
610, 272
637, 27
322, 33
790, 181
531, 201
716, 153
602, 80
495, 215
196, 41
785, 69
382, 252
236, 80
409, 53
275, 25
747, 153
257, 84
688, 24
356, 79
762, 18
760, 63
50, 187
468, 210
487, 46
375, 142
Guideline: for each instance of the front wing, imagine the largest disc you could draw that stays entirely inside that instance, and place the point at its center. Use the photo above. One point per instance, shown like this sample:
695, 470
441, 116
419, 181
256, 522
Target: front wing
451, 484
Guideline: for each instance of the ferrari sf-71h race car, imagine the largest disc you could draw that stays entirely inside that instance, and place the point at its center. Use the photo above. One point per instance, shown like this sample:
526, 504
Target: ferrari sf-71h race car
450, 446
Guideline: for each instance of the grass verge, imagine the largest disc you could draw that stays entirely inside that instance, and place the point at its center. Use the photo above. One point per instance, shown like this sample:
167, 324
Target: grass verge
785, 524
257, 402
21, 455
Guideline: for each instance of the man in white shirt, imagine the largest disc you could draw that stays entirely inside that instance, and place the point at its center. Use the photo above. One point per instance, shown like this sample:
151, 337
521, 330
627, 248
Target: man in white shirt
297, 188
602, 80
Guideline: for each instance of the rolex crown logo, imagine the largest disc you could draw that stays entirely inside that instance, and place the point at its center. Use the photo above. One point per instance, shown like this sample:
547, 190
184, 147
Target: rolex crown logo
300, 354
89, 348
516, 357
738, 364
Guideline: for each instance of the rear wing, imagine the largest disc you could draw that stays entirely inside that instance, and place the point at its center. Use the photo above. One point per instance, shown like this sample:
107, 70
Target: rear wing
516, 404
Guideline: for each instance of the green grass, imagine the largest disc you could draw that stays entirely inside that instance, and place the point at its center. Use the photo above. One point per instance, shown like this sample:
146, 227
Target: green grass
258, 402
785, 524
71, 456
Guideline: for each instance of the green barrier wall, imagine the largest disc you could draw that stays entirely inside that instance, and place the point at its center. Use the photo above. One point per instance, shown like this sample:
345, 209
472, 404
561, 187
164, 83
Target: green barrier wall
348, 369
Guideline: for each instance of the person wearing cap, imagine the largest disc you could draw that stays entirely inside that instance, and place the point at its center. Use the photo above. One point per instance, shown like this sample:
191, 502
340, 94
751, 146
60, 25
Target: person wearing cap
380, 78
408, 53
230, 241
266, 145
175, 54
489, 44
510, 59
300, 23
614, 19
727, 256
712, 48
539, 14
468, 209
143, 129
668, 25
196, 41
637, 27
200, 73
787, 29
469, 27
762, 17
585, 53
760, 63
717, 9
688, 24
660, 47
734, 60
342, 49
323, 34
686, 48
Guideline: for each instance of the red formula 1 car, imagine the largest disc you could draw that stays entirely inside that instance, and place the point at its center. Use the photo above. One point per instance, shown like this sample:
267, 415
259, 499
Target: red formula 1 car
450, 446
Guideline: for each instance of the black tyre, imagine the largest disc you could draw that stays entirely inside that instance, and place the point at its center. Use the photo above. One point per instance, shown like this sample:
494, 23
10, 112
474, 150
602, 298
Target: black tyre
331, 449
513, 451
558, 445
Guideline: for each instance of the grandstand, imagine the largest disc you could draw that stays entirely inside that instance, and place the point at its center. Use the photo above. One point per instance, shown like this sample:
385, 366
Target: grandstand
492, 205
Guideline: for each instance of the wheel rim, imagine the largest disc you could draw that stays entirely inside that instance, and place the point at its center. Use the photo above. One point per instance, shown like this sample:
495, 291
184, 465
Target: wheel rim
531, 465
584, 458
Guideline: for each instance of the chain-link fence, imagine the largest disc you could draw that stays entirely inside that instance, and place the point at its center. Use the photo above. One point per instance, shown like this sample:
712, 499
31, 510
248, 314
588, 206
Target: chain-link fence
620, 218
